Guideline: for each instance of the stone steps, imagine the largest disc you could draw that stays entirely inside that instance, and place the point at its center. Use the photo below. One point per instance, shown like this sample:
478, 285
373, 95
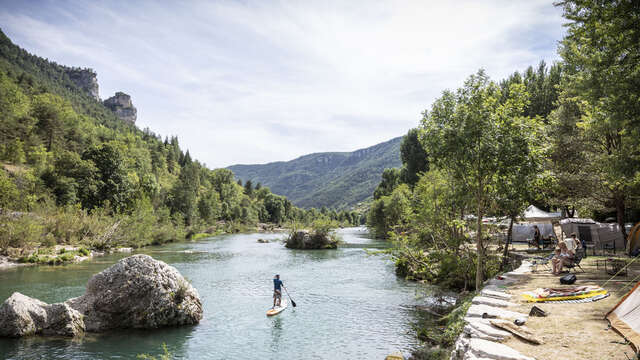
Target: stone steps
480, 340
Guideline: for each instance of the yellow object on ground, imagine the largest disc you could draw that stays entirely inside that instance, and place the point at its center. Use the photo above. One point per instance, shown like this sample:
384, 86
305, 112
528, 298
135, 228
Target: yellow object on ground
532, 297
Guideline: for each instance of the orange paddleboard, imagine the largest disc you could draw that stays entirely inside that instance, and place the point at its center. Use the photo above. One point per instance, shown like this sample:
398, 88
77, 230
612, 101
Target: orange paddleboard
278, 309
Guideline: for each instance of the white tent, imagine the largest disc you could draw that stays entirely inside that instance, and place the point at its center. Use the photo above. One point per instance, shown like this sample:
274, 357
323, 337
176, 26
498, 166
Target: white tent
533, 214
598, 234
625, 317
525, 232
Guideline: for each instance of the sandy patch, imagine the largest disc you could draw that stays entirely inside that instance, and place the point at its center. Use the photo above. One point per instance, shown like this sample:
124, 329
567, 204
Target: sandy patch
574, 331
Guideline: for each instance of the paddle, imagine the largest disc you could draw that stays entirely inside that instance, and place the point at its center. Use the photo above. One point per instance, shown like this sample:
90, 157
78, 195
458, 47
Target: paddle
287, 291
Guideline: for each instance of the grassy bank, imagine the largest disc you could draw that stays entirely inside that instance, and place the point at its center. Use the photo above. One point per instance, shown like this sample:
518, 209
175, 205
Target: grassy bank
53, 235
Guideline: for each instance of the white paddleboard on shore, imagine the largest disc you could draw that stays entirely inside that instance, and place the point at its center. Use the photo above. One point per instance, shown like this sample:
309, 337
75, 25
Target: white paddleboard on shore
278, 309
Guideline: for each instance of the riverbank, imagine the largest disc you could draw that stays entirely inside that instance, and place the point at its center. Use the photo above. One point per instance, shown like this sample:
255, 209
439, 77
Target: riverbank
570, 331
75, 253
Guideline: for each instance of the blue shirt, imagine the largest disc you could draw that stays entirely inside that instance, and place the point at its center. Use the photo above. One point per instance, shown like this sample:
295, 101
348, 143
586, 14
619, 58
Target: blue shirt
276, 284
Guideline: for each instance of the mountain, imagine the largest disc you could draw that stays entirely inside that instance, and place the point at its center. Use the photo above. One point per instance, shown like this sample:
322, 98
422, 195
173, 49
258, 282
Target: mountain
331, 179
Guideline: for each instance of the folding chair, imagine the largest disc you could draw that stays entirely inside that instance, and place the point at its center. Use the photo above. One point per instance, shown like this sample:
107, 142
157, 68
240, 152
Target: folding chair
576, 261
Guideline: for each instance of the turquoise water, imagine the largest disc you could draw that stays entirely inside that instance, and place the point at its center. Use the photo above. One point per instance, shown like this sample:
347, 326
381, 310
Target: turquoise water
350, 305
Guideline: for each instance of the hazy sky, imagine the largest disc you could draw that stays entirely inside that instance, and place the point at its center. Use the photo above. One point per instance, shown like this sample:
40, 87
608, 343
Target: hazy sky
260, 81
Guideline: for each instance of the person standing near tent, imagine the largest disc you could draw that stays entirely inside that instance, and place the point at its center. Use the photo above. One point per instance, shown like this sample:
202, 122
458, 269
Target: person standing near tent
536, 237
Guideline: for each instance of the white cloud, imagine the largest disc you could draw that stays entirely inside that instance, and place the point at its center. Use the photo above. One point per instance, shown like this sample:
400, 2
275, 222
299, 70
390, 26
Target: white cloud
262, 81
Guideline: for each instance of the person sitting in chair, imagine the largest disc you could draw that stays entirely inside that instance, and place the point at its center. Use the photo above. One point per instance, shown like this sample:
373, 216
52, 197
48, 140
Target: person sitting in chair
563, 256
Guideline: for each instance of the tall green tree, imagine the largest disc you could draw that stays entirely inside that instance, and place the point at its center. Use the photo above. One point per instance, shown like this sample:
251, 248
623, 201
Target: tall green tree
601, 50
464, 135
414, 157
114, 185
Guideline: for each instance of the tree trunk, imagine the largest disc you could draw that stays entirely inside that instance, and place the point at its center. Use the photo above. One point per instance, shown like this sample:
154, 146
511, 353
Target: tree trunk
479, 249
619, 200
505, 253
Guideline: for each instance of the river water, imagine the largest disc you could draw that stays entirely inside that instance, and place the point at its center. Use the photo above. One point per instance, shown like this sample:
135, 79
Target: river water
350, 305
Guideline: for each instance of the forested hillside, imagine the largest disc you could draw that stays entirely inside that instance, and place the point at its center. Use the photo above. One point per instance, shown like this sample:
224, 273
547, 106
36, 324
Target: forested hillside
72, 172
333, 179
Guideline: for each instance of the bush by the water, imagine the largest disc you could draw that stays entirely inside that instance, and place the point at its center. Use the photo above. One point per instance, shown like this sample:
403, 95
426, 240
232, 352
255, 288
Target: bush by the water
321, 236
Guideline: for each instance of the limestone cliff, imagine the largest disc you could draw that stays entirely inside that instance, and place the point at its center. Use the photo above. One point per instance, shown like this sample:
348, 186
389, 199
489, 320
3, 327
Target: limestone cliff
85, 79
122, 106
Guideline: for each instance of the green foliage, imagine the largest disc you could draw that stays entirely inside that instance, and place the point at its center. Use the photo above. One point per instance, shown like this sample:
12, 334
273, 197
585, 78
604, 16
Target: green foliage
600, 103
20, 231
472, 133
391, 178
112, 184
166, 355
414, 157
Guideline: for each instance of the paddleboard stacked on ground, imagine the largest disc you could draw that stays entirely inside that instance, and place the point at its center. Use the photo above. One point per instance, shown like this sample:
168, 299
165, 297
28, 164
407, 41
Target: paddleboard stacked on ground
481, 338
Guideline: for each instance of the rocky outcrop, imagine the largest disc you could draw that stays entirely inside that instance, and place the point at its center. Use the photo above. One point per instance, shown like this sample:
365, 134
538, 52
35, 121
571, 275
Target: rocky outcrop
122, 106
305, 240
136, 292
85, 79
21, 315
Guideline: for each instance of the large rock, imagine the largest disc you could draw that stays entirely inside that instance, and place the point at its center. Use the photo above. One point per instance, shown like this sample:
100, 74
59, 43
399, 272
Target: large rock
21, 315
122, 106
138, 292
85, 79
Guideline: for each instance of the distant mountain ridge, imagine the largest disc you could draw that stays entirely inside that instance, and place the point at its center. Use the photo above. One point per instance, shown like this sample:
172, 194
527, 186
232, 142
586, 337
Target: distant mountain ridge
332, 179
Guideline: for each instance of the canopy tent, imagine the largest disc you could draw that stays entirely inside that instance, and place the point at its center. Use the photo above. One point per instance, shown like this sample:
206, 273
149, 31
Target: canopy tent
525, 232
593, 233
533, 214
625, 317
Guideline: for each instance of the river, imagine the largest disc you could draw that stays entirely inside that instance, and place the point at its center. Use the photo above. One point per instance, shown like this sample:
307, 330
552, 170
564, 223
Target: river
350, 305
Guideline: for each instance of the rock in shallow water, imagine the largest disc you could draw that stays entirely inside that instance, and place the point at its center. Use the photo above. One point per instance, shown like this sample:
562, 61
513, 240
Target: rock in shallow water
21, 315
136, 292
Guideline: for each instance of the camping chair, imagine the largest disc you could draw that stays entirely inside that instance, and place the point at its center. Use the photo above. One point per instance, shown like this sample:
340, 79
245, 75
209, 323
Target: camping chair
576, 261
539, 260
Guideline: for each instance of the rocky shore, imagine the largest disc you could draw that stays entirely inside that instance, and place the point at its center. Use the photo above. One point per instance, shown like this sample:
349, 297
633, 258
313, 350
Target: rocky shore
483, 331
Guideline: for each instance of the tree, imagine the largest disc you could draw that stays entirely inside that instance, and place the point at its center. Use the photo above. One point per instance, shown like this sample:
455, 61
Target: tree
184, 193
114, 185
602, 54
414, 158
47, 111
390, 180
464, 133
248, 188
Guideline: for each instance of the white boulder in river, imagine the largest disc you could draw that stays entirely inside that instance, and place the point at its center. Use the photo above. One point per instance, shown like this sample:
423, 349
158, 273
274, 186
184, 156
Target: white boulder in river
136, 292
21, 315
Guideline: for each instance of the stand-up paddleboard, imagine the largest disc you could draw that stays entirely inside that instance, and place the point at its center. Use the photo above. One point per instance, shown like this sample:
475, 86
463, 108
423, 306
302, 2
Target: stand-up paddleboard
278, 309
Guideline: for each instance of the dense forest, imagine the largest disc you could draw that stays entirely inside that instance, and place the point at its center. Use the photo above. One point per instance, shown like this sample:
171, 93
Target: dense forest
563, 137
71, 172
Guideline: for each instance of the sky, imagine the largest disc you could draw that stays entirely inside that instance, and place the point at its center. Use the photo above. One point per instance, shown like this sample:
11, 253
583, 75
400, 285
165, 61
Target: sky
259, 81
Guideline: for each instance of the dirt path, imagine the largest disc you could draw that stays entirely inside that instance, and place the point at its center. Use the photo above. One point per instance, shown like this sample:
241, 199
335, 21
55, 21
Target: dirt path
573, 331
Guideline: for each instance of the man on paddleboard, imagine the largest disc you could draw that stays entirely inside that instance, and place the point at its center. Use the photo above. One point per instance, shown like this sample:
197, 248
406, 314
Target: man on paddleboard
277, 292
